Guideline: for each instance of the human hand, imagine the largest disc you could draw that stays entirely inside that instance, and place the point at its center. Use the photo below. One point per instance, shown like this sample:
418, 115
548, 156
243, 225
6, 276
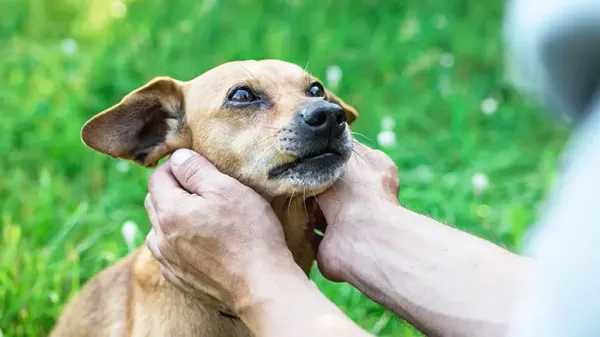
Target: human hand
351, 206
210, 233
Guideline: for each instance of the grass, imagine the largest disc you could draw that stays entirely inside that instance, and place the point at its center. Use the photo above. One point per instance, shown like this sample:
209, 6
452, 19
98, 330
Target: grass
428, 65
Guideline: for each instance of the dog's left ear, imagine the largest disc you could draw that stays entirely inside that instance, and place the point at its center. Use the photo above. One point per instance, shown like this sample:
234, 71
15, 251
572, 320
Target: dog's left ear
145, 126
351, 113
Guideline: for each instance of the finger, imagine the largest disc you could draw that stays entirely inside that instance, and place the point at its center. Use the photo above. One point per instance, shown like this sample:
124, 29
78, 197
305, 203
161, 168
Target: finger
164, 189
153, 244
152, 214
316, 240
193, 171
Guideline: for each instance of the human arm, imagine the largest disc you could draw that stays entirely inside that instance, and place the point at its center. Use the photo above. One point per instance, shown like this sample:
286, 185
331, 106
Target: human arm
443, 281
214, 236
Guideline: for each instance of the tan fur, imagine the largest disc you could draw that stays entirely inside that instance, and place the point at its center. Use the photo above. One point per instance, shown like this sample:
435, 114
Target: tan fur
131, 298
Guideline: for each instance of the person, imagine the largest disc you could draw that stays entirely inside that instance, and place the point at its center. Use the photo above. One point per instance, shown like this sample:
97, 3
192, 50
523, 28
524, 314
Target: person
443, 281
436, 277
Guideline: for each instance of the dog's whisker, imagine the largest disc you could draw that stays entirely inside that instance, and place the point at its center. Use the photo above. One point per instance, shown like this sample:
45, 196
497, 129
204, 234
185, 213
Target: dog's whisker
290, 201
337, 196
268, 127
260, 142
304, 201
248, 71
262, 156
343, 180
362, 135
306, 66
360, 155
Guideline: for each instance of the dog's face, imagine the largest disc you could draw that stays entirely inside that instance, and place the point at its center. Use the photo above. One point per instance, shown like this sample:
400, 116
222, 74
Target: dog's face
267, 123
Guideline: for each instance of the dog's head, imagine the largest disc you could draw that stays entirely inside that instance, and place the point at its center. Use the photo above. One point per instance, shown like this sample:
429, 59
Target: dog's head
267, 123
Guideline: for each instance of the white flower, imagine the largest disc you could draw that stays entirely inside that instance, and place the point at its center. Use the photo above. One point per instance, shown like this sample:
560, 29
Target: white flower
440, 21
118, 9
386, 138
123, 166
129, 231
334, 76
53, 296
489, 106
410, 28
446, 60
444, 85
69, 47
185, 26
387, 123
424, 173
108, 256
480, 182
450, 180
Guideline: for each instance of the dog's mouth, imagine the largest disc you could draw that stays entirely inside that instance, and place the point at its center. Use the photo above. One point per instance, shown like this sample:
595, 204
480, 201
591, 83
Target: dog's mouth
312, 164
314, 169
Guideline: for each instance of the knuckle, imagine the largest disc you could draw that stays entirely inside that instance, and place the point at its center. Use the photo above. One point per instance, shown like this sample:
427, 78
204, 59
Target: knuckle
191, 172
148, 202
222, 208
166, 219
152, 181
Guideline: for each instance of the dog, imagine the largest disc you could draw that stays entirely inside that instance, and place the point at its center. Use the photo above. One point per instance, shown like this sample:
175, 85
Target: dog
267, 123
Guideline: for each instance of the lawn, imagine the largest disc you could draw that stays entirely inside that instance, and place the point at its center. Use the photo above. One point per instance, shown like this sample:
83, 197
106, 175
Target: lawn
427, 77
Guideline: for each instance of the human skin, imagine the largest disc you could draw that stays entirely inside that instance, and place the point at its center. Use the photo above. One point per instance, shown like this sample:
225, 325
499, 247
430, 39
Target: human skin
443, 281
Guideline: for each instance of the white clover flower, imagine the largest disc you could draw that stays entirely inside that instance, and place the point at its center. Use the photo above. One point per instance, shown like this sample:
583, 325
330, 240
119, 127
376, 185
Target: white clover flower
410, 28
424, 173
440, 21
118, 9
109, 256
123, 166
480, 182
446, 60
53, 296
388, 123
69, 47
334, 76
489, 106
185, 26
386, 138
444, 85
129, 231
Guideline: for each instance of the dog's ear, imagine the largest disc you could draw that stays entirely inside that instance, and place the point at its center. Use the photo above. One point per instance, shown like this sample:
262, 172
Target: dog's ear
144, 127
351, 113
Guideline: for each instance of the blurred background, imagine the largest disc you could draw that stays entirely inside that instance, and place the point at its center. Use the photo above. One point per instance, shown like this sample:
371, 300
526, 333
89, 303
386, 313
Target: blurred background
427, 77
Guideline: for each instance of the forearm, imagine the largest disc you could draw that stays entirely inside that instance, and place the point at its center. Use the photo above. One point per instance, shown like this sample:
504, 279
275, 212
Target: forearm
290, 305
444, 281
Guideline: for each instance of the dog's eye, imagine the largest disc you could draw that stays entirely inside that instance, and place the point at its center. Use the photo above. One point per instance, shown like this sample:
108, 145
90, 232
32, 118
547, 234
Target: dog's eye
316, 90
242, 95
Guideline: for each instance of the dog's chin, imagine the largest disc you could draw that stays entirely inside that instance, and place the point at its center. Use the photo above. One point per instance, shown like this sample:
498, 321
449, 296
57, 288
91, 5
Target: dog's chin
310, 175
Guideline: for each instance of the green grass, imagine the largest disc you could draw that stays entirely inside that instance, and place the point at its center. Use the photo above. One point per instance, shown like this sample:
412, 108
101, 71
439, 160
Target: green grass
428, 64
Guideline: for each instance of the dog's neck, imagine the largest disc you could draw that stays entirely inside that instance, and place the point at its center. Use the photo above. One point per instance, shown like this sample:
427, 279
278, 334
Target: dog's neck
298, 216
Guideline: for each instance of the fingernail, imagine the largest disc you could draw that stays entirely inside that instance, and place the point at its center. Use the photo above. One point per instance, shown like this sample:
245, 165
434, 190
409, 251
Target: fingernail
180, 156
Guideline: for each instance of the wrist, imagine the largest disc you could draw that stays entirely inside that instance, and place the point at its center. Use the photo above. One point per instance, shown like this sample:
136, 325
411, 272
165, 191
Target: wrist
352, 242
262, 281
272, 293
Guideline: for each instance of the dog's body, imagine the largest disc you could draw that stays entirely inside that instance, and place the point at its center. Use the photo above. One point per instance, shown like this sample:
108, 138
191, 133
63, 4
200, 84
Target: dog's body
268, 124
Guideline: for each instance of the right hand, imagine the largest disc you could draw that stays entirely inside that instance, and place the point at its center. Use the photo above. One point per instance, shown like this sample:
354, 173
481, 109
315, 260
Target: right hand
351, 206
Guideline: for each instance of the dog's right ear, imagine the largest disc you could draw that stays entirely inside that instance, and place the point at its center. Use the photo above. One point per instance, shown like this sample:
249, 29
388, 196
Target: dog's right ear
145, 126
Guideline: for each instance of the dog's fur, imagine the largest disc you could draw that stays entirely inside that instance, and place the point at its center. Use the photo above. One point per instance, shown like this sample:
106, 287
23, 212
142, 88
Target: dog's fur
254, 142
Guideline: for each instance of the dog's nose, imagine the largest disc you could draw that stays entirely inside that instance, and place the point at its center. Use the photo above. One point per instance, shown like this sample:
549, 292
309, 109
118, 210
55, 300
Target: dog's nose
324, 119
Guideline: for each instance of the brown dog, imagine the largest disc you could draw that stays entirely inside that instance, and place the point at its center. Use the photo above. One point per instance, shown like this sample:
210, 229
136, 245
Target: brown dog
268, 124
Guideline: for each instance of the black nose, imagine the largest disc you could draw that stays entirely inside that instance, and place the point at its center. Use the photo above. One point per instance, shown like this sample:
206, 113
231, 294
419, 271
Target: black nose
324, 118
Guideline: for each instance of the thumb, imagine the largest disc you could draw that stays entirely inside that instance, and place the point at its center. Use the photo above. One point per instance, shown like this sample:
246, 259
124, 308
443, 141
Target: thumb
192, 170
